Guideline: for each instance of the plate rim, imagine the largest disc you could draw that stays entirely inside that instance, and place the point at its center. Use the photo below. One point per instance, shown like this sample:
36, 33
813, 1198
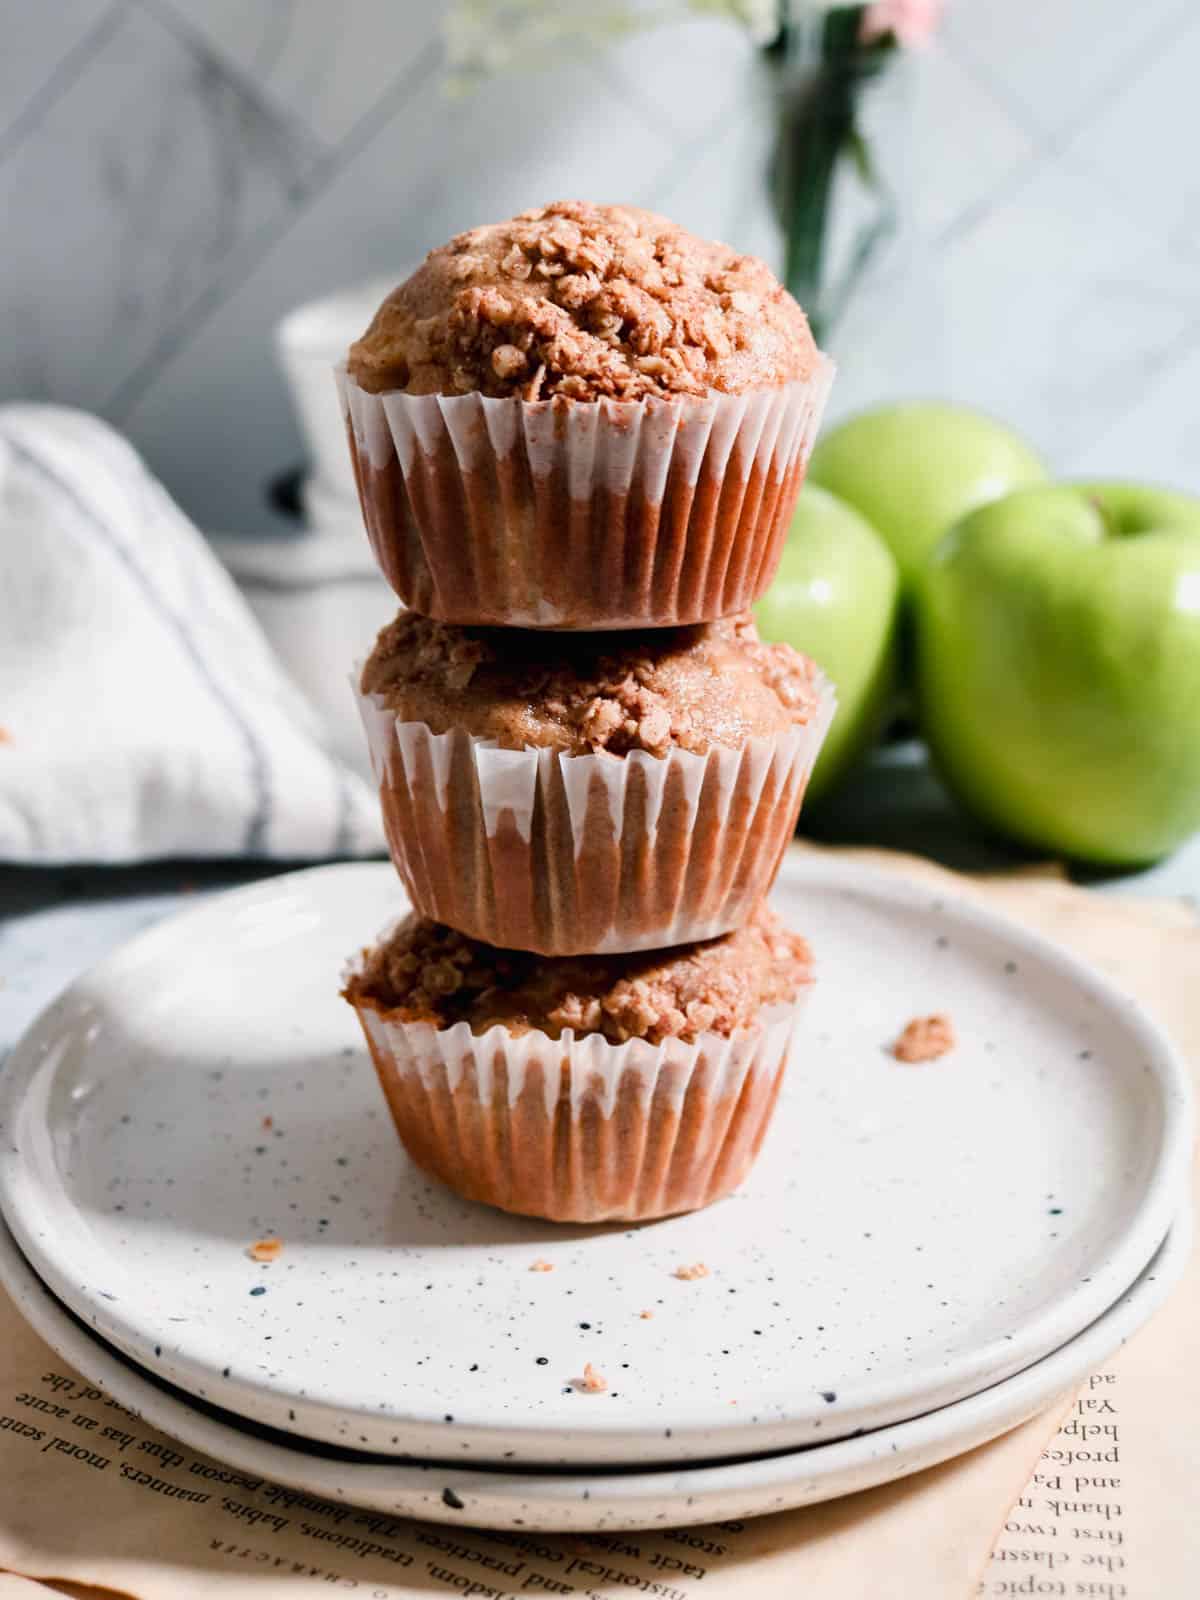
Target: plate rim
587, 1502
924, 1390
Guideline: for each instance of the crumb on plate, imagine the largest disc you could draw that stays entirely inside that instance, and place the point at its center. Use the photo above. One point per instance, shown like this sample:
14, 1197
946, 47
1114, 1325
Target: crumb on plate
265, 1250
645, 1315
925, 1039
5, 736
268, 1122
541, 1266
696, 1270
592, 1382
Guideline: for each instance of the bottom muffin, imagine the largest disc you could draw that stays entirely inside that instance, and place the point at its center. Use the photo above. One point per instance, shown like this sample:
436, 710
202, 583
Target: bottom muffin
582, 1088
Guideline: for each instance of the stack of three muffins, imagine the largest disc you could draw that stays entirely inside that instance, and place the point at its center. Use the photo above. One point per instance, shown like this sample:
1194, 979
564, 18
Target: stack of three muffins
578, 438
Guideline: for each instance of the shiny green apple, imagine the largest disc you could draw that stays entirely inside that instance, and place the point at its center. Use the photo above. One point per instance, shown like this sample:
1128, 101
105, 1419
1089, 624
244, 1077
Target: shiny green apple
835, 597
1058, 668
913, 470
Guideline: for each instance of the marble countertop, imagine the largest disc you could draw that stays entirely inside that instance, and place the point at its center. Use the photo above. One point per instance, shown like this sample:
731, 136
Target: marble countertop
57, 922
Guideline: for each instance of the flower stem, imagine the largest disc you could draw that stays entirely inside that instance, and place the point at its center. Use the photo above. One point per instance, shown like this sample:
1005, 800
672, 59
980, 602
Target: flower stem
817, 130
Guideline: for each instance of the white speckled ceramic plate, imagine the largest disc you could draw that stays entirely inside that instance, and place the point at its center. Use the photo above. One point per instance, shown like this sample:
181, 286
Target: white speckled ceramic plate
910, 1235
621, 1498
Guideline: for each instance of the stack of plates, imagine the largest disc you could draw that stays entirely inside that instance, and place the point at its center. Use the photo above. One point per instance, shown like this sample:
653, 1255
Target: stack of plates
924, 1256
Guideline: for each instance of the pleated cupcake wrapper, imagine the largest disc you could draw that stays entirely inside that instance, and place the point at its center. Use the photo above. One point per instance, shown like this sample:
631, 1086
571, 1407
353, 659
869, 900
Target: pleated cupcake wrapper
570, 514
564, 854
577, 1129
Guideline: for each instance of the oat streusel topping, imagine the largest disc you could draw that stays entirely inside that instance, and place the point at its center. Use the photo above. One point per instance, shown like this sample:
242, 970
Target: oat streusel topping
425, 972
672, 688
585, 302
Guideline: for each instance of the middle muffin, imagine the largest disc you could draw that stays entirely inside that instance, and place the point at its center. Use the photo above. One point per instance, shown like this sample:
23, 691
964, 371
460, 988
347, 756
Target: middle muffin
582, 793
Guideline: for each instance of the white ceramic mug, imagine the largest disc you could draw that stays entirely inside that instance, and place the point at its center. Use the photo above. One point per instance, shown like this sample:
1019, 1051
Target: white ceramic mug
308, 342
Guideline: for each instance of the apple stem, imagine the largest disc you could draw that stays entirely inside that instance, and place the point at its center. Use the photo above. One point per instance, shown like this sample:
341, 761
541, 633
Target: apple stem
1111, 526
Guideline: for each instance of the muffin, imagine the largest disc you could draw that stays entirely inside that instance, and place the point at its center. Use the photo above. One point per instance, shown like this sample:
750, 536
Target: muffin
588, 1088
583, 418
589, 792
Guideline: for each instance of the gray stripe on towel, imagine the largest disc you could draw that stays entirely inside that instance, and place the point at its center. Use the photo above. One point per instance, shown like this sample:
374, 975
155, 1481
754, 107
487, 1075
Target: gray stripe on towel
260, 815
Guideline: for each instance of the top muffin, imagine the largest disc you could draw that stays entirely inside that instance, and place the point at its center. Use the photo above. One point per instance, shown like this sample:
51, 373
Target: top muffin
585, 302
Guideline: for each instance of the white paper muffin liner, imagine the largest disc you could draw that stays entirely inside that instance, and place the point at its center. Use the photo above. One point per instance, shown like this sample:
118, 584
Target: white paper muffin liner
576, 1129
581, 514
563, 854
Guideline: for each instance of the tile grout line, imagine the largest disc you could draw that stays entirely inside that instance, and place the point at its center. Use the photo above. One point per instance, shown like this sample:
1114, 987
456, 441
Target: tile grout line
1048, 156
1046, 146
994, 88
618, 79
265, 63
1154, 48
1049, 146
191, 39
61, 78
1185, 347
1052, 140
128, 392
952, 233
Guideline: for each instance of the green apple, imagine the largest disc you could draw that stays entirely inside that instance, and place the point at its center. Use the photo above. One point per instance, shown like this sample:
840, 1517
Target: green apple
913, 470
1058, 668
835, 597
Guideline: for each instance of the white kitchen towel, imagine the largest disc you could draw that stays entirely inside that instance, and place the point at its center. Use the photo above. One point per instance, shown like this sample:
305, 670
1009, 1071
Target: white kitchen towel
142, 713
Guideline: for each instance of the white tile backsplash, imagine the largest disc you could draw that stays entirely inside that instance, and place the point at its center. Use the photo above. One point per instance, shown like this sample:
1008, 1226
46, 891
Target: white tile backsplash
140, 188
44, 53
1055, 60
383, 207
176, 174
1146, 146
1160, 430
324, 65
964, 141
1059, 309
703, 73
